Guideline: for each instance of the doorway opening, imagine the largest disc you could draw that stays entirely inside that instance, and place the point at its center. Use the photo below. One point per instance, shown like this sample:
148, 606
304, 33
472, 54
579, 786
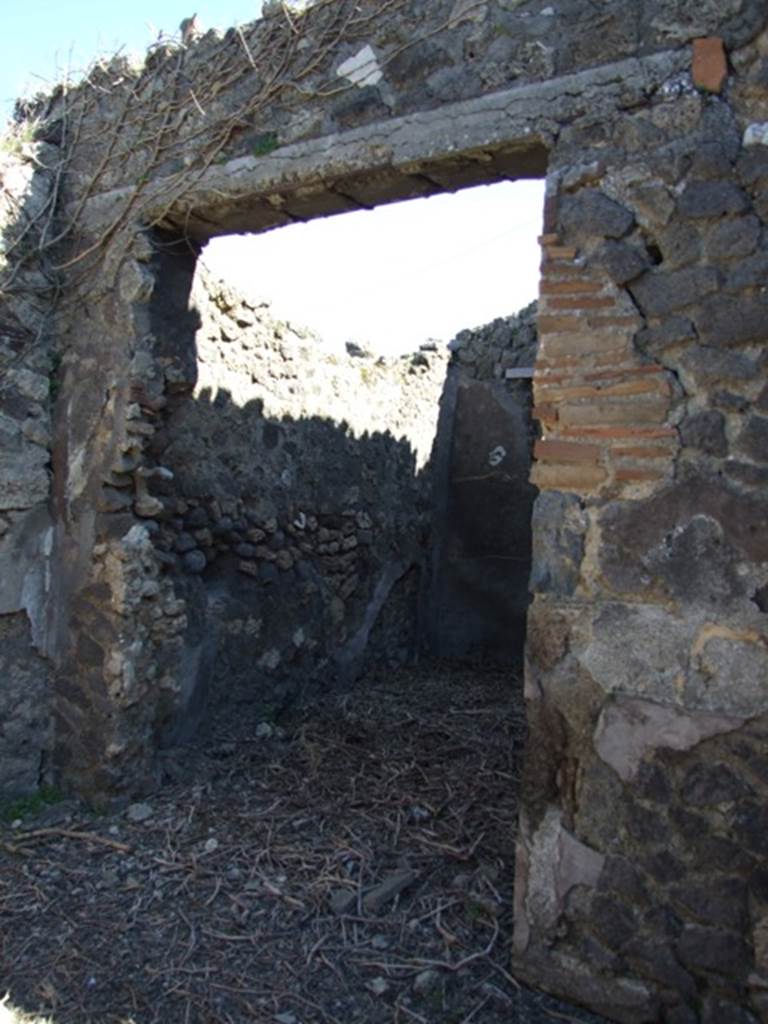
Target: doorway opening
354, 497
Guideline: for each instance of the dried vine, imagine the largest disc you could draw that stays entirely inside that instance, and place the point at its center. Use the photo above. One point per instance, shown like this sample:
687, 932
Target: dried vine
136, 127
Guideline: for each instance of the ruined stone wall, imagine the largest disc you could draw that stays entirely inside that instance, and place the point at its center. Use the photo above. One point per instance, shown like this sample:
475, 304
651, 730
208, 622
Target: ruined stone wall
483, 499
647, 638
292, 494
27, 380
641, 860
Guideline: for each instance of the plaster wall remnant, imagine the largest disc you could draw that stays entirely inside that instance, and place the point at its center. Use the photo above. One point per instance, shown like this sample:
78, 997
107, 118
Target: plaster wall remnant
650, 565
481, 521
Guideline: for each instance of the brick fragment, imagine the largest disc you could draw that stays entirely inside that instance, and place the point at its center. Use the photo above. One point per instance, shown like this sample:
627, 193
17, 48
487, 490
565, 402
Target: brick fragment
710, 66
549, 239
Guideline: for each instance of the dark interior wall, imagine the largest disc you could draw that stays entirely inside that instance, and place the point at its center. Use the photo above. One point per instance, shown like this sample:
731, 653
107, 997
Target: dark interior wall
292, 484
483, 498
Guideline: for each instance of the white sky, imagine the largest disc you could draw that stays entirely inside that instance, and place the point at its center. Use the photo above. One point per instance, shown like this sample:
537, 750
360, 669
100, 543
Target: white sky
393, 277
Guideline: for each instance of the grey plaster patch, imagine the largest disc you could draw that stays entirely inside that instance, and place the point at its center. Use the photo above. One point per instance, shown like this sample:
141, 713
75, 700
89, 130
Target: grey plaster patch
25, 553
557, 862
628, 729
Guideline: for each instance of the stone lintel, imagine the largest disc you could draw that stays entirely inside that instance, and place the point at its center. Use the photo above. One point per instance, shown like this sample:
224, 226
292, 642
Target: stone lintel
503, 135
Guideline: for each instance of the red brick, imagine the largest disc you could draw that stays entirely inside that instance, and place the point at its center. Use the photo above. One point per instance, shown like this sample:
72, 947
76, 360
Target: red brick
558, 324
581, 344
547, 374
587, 302
562, 271
632, 323
567, 476
554, 391
634, 371
638, 475
643, 452
559, 252
618, 359
608, 413
587, 431
573, 285
566, 451
710, 66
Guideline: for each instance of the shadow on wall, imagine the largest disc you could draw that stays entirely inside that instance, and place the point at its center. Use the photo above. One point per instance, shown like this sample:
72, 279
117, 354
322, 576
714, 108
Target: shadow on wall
304, 543
286, 532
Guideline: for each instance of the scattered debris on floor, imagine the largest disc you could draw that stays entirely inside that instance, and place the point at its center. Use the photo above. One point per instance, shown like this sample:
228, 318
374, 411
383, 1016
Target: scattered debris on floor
353, 865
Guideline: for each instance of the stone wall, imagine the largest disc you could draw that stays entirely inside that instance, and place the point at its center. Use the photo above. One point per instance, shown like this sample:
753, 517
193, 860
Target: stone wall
484, 500
290, 497
647, 653
27, 388
641, 860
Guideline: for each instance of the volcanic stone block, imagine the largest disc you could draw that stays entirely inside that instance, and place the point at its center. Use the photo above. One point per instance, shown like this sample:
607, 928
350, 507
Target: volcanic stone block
712, 199
660, 292
708, 949
622, 261
705, 431
753, 440
591, 212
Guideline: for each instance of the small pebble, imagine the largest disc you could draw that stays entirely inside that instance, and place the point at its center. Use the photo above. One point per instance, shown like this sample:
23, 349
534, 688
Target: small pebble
139, 812
378, 986
425, 982
211, 845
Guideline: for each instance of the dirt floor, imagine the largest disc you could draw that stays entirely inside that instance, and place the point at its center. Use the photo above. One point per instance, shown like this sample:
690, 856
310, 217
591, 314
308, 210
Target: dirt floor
350, 864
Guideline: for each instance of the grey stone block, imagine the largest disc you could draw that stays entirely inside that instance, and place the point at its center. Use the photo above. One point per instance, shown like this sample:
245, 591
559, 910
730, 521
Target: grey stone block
591, 212
659, 292
753, 439
712, 199
705, 431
